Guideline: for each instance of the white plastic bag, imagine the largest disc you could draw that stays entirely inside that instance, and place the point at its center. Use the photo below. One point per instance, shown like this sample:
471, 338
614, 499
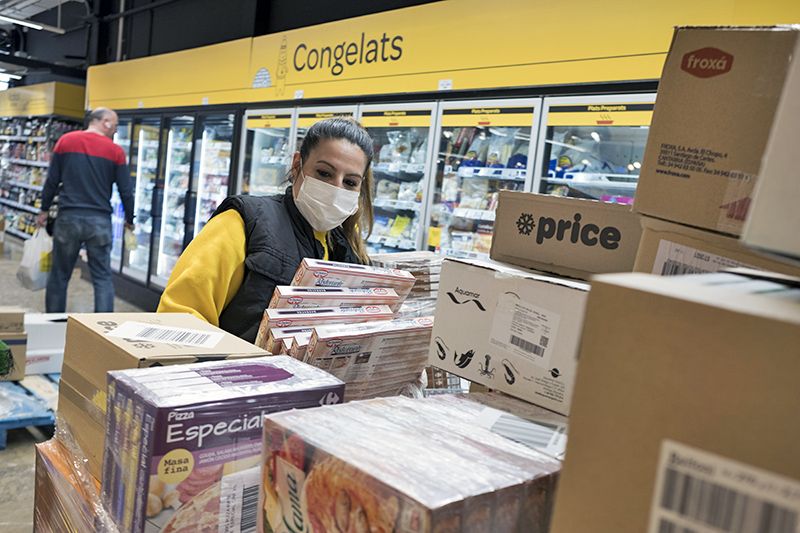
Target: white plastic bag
36, 261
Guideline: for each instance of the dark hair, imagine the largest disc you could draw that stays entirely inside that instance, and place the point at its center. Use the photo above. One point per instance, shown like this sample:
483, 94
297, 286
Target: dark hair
348, 129
338, 128
97, 114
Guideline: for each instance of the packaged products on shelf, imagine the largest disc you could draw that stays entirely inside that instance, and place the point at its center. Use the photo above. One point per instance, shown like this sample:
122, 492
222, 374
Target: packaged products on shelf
310, 297
373, 358
567, 236
97, 343
284, 318
670, 249
696, 399
184, 443
702, 163
377, 466
318, 273
512, 330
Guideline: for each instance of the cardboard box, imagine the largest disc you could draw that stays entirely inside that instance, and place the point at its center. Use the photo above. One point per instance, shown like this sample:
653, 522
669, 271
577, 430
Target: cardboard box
671, 249
693, 375
310, 297
12, 320
774, 217
98, 343
13, 348
512, 330
318, 273
185, 441
378, 462
270, 336
716, 104
567, 236
46, 339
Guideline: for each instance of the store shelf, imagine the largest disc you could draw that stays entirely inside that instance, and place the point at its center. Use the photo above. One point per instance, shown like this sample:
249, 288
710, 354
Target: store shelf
388, 203
595, 184
408, 168
392, 242
22, 138
26, 162
474, 214
502, 174
25, 185
21, 207
463, 254
17, 233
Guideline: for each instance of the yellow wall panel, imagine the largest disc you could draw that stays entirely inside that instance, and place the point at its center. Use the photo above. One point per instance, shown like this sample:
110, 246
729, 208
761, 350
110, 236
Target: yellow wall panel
43, 99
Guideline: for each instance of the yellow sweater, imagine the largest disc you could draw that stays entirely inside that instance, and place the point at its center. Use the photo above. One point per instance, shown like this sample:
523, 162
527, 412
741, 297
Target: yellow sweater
210, 271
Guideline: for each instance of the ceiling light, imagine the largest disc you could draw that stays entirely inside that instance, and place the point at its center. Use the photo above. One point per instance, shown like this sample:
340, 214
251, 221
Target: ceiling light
31, 24
4, 76
637, 165
595, 136
630, 167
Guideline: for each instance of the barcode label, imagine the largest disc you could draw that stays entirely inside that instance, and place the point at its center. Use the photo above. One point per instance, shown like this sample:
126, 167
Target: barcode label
164, 334
249, 509
700, 492
673, 259
544, 436
527, 346
676, 268
524, 330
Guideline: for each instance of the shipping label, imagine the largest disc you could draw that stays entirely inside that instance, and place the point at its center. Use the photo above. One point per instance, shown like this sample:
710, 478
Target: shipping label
704, 492
524, 330
673, 259
157, 333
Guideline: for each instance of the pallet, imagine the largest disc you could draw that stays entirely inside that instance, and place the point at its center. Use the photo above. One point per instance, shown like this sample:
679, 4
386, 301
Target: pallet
26, 403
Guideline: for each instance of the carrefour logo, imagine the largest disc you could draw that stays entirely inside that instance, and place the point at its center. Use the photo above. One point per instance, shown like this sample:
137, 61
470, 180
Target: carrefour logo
574, 231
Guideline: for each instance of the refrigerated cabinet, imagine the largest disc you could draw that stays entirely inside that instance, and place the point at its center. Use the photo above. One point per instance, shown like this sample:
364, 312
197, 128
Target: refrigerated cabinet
483, 147
308, 116
212, 165
123, 139
144, 167
267, 150
402, 135
592, 146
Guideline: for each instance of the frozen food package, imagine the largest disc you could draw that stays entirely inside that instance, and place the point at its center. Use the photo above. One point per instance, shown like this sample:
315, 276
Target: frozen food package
401, 465
299, 345
67, 497
310, 297
373, 358
184, 442
273, 335
284, 318
319, 273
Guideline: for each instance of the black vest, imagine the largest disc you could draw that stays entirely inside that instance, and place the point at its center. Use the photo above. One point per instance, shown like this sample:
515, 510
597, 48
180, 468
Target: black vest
277, 239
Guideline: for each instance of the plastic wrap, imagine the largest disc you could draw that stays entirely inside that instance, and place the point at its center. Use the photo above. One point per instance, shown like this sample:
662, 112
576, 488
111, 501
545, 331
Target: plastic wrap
310, 297
184, 442
67, 496
373, 358
318, 273
398, 464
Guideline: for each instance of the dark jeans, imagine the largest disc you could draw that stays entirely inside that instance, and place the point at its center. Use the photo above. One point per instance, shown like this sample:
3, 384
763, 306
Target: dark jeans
70, 232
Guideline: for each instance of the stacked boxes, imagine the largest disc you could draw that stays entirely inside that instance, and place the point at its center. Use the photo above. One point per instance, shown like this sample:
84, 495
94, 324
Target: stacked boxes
377, 465
46, 337
98, 343
375, 358
184, 442
696, 403
310, 297
318, 273
13, 344
426, 268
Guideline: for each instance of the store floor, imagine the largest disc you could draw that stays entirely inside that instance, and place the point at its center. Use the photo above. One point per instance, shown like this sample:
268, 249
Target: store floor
17, 460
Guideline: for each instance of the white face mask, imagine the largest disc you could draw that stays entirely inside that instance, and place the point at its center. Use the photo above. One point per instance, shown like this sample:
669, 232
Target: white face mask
323, 205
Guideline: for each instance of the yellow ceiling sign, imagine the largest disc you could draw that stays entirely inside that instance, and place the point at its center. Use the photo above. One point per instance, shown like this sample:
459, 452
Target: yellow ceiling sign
269, 121
412, 50
390, 119
54, 98
306, 120
601, 115
483, 116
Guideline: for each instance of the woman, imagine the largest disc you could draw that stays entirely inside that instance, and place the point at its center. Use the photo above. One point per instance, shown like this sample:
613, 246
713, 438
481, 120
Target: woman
227, 274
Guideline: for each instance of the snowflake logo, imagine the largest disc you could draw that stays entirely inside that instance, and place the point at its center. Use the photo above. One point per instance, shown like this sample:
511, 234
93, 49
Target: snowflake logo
525, 224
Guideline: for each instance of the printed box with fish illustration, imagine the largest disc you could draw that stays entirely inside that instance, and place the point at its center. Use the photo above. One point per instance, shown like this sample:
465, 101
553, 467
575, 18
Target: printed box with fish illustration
376, 466
184, 442
512, 330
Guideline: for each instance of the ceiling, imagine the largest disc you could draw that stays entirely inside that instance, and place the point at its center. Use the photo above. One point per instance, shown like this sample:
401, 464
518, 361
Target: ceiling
25, 9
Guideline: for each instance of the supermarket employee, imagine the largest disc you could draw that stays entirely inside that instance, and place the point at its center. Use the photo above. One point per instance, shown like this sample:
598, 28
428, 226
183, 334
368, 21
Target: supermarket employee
227, 274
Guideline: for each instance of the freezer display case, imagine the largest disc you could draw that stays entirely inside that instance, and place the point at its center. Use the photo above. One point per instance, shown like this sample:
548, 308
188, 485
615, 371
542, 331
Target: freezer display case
592, 147
212, 165
266, 151
144, 167
403, 139
308, 116
123, 139
178, 134
483, 147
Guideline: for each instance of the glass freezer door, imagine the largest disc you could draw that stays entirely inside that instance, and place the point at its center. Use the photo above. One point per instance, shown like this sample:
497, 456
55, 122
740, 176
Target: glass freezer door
484, 147
592, 147
212, 165
267, 152
176, 186
144, 168
308, 116
123, 139
402, 136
